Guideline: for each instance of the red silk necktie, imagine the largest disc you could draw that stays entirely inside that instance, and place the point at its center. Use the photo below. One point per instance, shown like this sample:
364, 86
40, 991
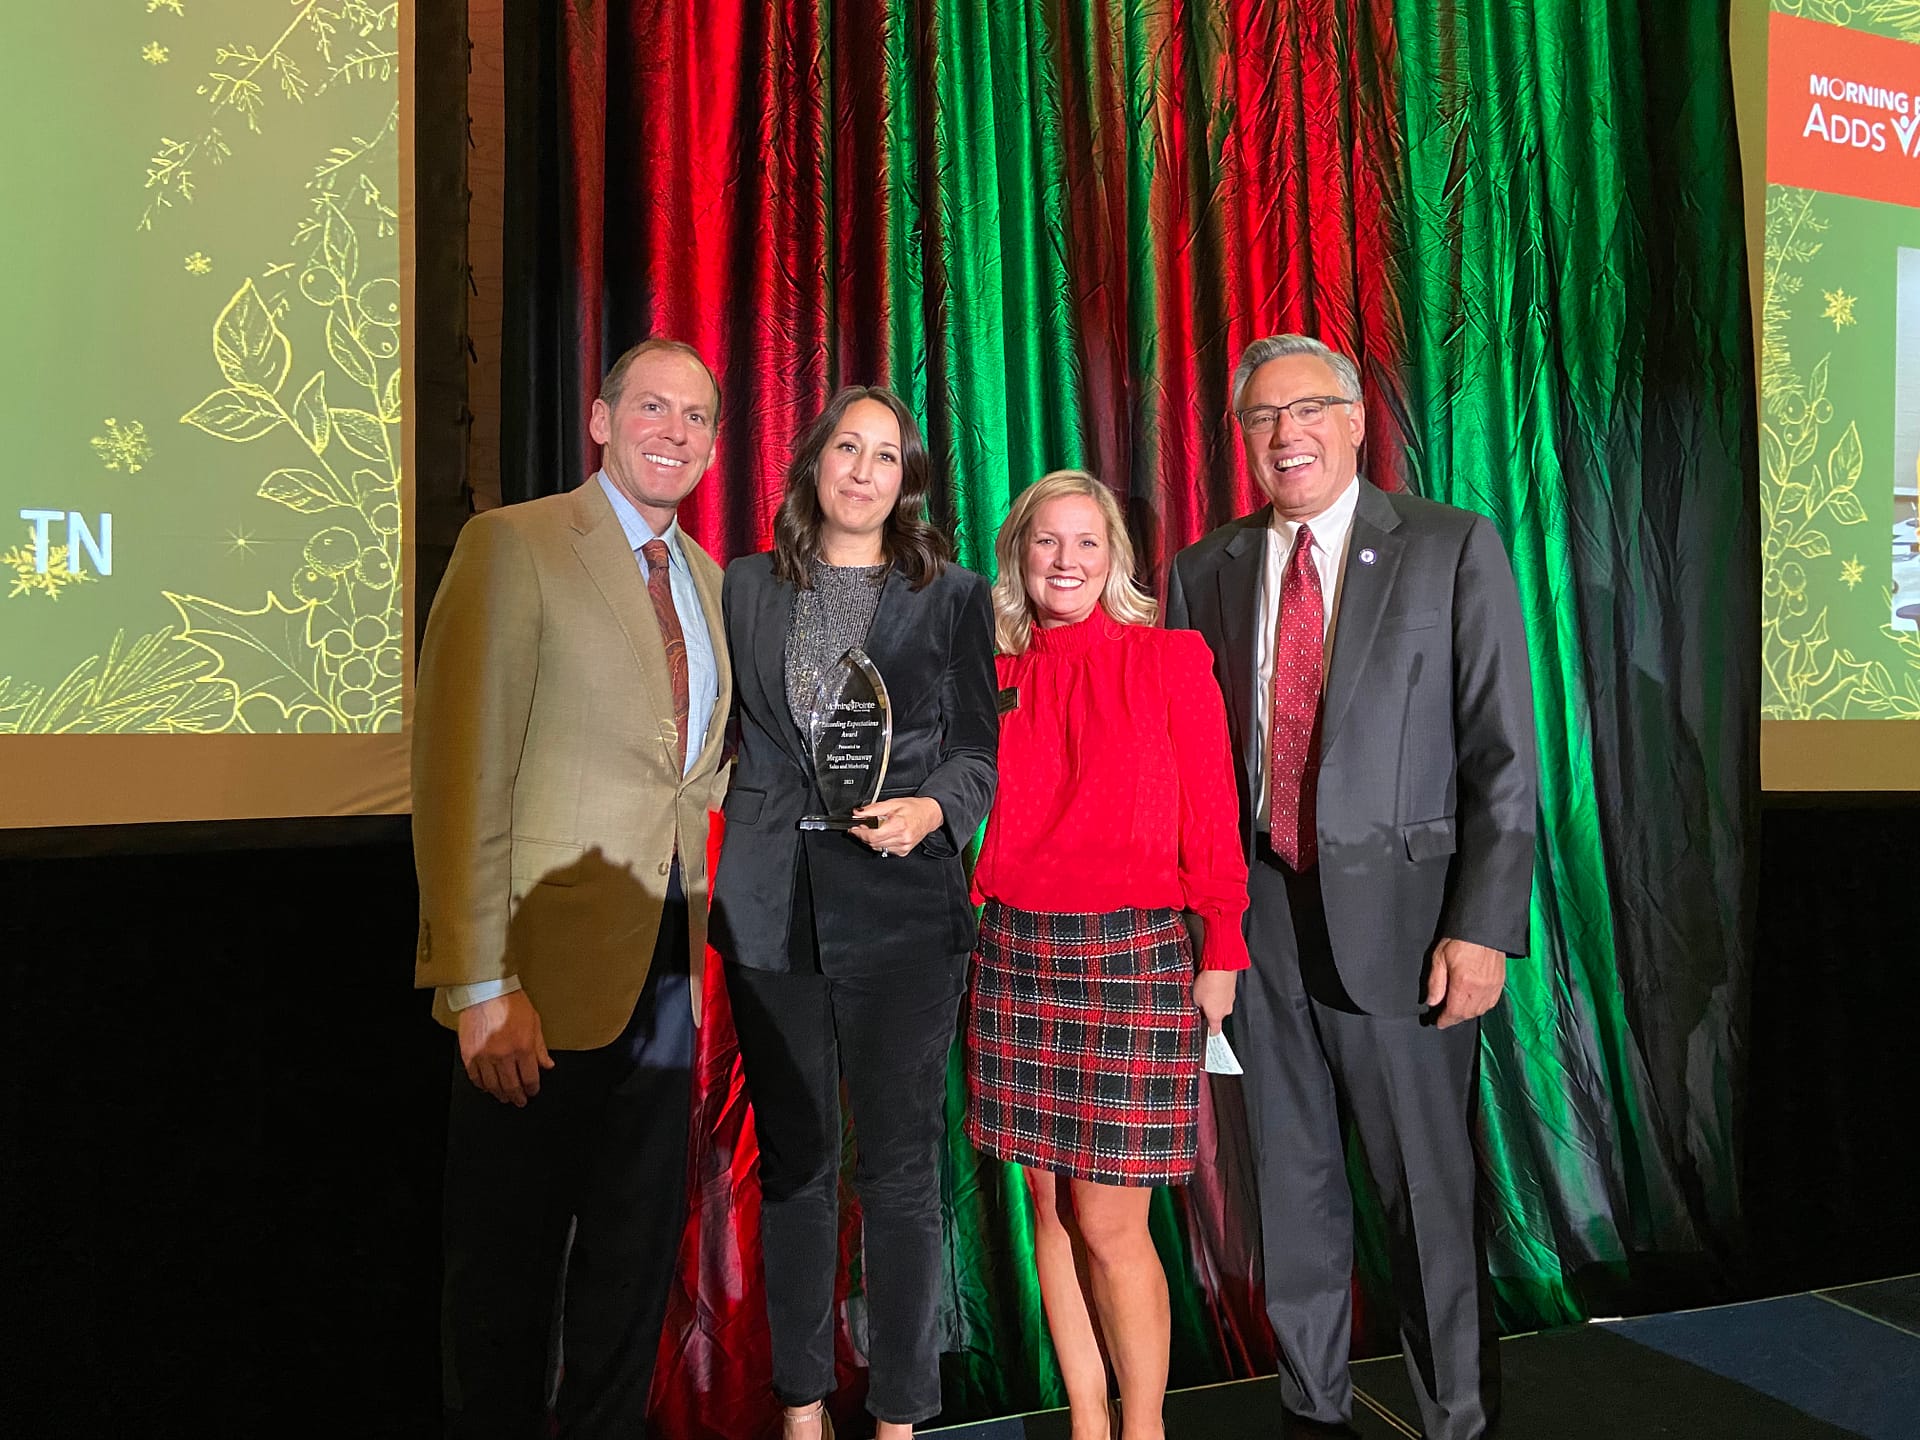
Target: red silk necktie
660, 591
1293, 724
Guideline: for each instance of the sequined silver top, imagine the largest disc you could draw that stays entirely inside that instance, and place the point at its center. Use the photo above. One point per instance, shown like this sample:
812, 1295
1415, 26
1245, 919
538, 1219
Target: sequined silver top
828, 620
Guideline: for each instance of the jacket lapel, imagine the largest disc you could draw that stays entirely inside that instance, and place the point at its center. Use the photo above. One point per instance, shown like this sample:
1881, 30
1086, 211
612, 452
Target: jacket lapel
773, 620
602, 547
1238, 580
1364, 589
890, 621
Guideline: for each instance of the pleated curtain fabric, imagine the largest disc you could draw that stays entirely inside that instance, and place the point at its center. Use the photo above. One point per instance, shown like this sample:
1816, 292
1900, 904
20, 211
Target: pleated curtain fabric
1052, 227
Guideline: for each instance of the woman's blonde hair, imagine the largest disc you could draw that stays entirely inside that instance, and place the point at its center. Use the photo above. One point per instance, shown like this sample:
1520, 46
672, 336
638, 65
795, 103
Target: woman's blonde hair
1123, 597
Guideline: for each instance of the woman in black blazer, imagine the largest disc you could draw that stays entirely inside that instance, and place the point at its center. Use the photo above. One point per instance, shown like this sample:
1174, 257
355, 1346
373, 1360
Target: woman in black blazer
846, 950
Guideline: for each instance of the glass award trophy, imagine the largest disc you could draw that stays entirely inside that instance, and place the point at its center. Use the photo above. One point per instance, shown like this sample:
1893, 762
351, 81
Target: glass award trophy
850, 730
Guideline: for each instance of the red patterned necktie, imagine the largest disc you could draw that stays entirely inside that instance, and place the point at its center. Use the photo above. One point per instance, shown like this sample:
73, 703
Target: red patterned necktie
660, 591
1293, 727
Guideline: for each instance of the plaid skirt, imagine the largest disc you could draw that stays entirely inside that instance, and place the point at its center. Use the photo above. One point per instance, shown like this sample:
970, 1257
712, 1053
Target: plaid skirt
1083, 1045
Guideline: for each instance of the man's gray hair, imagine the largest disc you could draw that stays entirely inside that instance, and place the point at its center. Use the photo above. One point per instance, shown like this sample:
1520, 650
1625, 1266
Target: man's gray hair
1273, 347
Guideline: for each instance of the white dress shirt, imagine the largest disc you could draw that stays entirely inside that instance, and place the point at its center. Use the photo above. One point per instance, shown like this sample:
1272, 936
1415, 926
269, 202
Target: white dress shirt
1332, 528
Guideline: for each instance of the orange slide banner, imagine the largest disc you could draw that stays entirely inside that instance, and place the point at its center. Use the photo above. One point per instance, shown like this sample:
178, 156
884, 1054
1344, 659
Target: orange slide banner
1843, 111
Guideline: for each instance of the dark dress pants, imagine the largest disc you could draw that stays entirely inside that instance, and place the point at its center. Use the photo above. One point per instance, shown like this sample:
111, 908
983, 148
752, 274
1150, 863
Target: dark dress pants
1314, 1062
888, 1034
600, 1154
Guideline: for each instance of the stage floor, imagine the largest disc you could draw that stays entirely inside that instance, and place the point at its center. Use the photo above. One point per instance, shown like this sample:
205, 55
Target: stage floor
1838, 1364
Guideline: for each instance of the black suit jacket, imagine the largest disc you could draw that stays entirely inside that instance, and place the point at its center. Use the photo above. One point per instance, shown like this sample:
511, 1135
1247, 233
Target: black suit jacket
934, 649
1427, 784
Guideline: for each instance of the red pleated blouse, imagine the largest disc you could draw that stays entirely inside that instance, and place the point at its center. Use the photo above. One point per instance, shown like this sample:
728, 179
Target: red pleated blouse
1116, 782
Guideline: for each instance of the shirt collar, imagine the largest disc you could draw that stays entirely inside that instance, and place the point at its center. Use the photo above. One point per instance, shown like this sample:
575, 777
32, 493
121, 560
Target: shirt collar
634, 524
1082, 635
1329, 527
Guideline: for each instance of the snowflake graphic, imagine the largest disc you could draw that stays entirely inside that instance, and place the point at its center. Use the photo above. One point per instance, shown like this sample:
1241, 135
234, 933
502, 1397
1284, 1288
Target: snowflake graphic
198, 264
173, 5
154, 54
1852, 572
1839, 308
30, 579
123, 447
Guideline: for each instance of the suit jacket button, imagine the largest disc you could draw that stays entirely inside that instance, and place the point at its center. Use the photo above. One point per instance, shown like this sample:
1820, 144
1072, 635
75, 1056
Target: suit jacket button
666, 867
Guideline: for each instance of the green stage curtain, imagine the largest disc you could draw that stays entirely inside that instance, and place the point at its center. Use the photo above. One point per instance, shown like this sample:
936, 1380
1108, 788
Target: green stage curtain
1052, 227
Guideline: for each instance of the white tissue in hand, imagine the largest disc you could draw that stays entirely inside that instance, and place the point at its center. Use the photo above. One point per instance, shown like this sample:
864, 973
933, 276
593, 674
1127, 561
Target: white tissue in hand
1220, 1057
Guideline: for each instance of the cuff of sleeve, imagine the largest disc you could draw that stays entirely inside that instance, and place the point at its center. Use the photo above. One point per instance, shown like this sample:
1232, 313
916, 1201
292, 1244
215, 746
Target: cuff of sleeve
1482, 930
941, 842
1225, 944
462, 997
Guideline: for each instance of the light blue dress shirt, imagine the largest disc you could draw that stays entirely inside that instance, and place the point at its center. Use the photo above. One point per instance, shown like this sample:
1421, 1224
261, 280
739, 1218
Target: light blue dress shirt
703, 674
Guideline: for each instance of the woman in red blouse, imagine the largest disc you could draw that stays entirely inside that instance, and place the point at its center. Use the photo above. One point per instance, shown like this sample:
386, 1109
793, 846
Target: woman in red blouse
1115, 813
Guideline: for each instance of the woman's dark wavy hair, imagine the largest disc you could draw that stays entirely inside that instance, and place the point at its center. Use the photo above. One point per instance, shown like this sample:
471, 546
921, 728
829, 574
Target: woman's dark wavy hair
911, 543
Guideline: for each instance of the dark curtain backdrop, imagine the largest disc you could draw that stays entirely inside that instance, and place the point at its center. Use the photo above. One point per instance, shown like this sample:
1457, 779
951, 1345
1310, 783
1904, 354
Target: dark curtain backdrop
1052, 227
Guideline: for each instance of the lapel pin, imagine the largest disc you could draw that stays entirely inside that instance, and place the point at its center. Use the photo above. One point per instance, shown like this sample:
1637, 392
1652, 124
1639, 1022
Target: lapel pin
1367, 557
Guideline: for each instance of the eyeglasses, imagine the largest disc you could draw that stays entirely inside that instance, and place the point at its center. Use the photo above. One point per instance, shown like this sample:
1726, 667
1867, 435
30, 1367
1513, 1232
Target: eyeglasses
1259, 419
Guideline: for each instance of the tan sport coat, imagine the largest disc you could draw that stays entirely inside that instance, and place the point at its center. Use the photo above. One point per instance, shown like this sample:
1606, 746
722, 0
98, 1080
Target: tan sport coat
547, 805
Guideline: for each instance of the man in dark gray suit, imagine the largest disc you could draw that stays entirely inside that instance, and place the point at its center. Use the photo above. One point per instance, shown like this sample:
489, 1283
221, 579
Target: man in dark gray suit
1375, 670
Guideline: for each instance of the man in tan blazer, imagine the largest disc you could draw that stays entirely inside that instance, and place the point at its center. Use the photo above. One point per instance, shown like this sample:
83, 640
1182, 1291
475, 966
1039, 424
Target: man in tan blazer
568, 726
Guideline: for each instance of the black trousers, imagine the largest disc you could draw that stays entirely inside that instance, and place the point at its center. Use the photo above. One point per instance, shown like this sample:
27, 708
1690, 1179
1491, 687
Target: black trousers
888, 1034
1313, 1062
598, 1157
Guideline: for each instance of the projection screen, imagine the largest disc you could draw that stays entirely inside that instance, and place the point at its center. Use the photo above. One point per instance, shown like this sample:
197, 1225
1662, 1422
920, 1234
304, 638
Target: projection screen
205, 503
1830, 138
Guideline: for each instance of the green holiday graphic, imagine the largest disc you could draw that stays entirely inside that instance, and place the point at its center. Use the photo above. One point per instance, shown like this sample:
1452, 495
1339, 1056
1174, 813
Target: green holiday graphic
200, 514
1840, 433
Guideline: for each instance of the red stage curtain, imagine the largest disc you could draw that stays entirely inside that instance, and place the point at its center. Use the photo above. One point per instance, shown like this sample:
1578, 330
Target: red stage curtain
1052, 227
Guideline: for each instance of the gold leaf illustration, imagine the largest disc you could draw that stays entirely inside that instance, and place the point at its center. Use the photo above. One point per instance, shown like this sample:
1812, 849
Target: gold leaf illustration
310, 413
262, 652
341, 247
233, 415
1845, 507
248, 345
1773, 455
1813, 543
327, 655
347, 351
301, 490
1843, 463
152, 685
362, 432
